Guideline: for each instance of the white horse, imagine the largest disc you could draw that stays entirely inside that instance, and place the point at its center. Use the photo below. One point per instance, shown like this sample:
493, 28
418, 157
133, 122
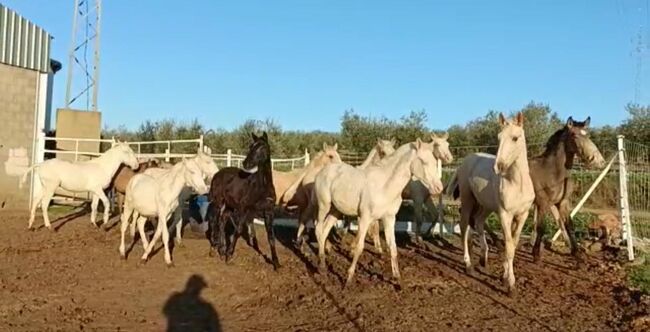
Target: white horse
372, 194
148, 196
208, 168
81, 176
501, 184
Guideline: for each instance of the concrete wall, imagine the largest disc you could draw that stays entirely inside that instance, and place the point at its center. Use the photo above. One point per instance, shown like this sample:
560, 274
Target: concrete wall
77, 124
19, 90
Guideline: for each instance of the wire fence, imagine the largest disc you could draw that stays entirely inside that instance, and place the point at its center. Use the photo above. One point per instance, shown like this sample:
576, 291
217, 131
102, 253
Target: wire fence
637, 159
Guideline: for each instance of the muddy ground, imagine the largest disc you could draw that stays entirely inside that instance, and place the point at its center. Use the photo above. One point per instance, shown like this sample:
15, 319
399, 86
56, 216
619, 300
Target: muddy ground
73, 279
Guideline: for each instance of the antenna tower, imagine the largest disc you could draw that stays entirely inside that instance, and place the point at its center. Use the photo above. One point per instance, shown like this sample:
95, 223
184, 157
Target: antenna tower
83, 75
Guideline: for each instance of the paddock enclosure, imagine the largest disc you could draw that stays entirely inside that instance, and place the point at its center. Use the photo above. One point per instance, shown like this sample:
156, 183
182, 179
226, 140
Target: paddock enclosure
74, 280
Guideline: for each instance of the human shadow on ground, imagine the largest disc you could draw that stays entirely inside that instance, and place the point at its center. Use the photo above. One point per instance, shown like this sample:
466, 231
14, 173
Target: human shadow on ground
188, 311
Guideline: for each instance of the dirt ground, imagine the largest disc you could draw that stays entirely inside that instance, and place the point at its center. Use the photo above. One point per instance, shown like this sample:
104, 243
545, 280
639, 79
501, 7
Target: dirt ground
73, 279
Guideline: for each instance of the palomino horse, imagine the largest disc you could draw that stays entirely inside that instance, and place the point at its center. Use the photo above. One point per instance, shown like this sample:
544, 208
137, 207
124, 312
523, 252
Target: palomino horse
148, 196
81, 176
122, 177
501, 184
299, 194
371, 194
286, 183
208, 169
241, 195
551, 175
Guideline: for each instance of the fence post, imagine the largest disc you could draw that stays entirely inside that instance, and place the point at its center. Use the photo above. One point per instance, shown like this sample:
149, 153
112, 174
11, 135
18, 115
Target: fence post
76, 150
229, 158
307, 160
167, 156
624, 204
201, 142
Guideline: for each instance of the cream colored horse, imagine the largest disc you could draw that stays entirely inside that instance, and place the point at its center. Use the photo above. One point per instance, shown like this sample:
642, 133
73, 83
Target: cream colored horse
208, 168
371, 194
81, 176
148, 196
299, 193
499, 184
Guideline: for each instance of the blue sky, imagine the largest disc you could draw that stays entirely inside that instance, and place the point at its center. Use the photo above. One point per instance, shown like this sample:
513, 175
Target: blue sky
303, 63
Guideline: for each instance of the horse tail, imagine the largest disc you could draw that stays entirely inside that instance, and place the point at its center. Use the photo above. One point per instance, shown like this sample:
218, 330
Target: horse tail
24, 178
452, 187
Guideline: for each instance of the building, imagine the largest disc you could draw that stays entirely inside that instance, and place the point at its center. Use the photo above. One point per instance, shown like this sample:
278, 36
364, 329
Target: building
26, 80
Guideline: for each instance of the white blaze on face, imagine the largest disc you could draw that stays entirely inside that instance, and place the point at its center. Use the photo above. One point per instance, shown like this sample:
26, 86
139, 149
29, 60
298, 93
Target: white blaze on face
583, 132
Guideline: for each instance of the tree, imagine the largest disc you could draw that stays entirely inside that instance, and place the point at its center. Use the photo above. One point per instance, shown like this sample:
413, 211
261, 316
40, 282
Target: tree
637, 127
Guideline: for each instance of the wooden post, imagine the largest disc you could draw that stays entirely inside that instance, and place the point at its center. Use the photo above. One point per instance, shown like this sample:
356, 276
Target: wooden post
624, 204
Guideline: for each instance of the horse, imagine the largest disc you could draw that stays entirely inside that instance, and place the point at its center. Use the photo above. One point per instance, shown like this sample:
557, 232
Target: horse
299, 194
122, 177
370, 194
148, 196
208, 168
501, 184
241, 195
551, 174
80, 176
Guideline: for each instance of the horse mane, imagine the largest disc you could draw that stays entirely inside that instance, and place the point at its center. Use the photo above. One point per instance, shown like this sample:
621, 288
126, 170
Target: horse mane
554, 142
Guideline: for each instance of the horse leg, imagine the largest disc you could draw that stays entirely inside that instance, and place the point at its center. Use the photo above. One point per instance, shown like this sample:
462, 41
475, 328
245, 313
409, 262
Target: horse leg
520, 220
565, 217
178, 217
252, 234
141, 222
321, 236
162, 223
364, 223
223, 217
508, 272
540, 229
433, 212
466, 208
270, 233
48, 192
479, 221
35, 204
389, 234
159, 229
120, 201
126, 214
93, 209
374, 233
241, 222
107, 206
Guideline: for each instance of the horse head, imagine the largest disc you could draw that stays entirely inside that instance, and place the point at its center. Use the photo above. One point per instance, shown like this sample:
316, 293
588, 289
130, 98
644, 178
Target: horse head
193, 176
426, 167
328, 155
512, 142
126, 155
441, 148
206, 163
578, 142
385, 147
259, 153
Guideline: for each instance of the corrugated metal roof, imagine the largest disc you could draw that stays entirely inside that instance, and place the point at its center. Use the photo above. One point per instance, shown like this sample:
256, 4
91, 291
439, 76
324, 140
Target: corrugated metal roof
23, 43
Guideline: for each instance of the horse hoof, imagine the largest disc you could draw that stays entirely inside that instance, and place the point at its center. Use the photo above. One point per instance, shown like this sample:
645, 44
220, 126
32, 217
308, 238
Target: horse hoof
211, 253
512, 291
123, 257
537, 259
170, 265
276, 266
142, 262
469, 270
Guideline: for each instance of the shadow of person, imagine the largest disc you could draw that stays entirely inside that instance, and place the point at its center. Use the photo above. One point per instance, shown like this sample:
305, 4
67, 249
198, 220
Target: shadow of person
187, 311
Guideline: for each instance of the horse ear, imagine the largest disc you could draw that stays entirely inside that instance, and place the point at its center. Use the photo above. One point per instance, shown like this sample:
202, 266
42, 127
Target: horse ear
393, 140
569, 122
378, 141
265, 136
587, 121
325, 146
336, 146
445, 136
502, 120
520, 119
434, 136
254, 136
418, 143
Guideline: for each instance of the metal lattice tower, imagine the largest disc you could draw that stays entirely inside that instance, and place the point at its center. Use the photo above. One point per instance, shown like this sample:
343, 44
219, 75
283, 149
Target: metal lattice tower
83, 76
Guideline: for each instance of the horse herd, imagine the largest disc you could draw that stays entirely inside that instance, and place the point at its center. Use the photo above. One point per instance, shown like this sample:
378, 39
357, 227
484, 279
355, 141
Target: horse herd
328, 190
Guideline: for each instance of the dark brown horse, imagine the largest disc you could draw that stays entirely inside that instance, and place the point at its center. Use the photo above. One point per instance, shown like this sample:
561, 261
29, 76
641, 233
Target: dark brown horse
239, 195
551, 175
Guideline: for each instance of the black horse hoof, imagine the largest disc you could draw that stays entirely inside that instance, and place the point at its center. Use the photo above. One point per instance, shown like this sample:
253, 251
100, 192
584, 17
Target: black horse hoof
483, 262
469, 270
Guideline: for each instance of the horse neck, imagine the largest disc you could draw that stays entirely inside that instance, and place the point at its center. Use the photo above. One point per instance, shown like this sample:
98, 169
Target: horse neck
561, 159
372, 156
109, 162
519, 170
174, 181
264, 173
397, 168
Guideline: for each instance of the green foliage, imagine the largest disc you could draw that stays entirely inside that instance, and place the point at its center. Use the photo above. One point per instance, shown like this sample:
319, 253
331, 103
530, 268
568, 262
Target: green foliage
637, 127
639, 275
